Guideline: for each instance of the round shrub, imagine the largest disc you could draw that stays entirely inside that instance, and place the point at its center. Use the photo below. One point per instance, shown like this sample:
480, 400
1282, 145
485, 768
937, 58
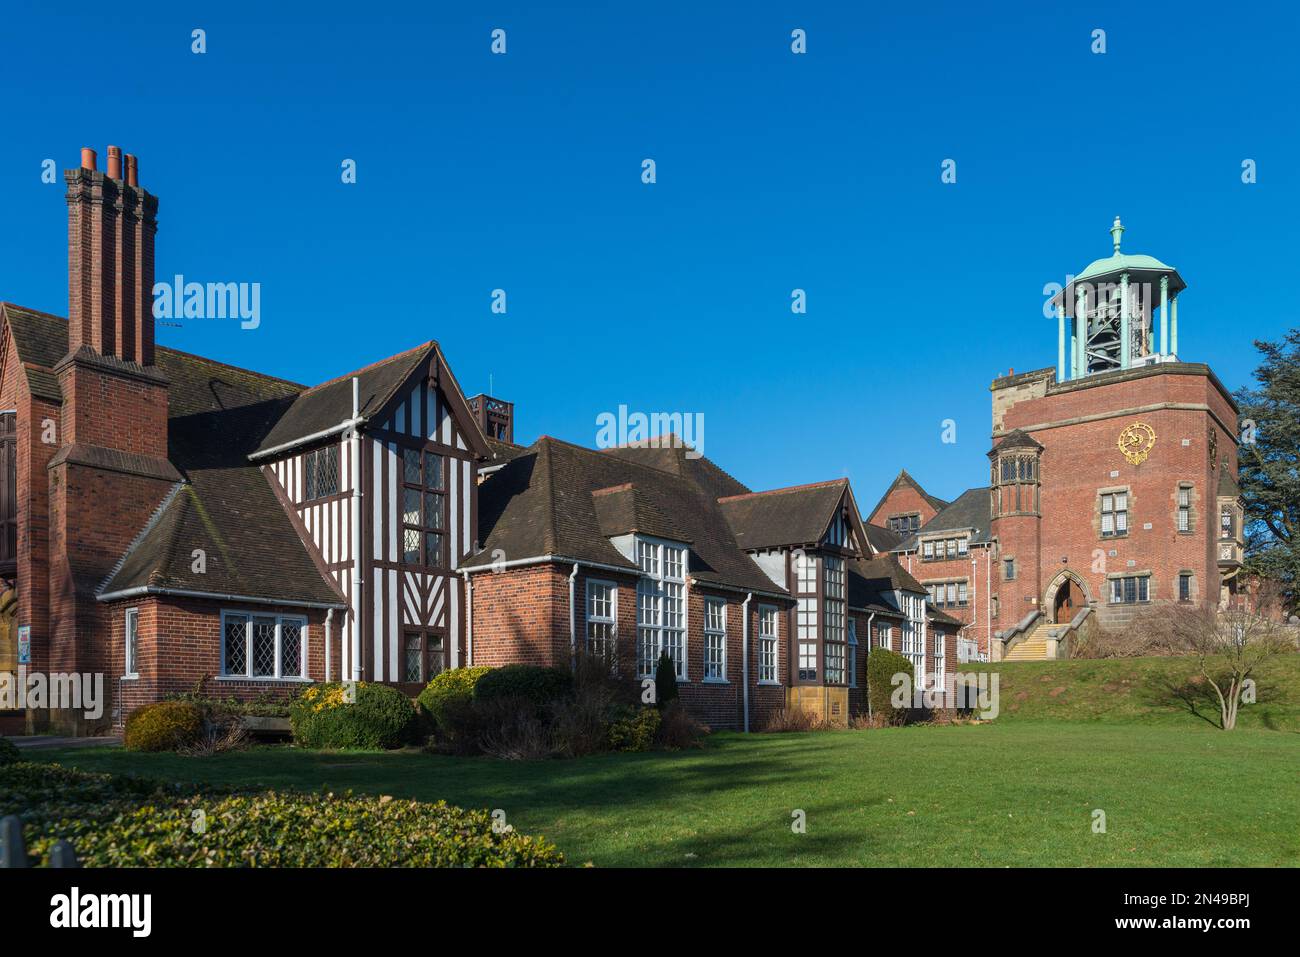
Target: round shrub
541, 686
164, 726
380, 717
448, 690
9, 752
115, 821
636, 732
882, 666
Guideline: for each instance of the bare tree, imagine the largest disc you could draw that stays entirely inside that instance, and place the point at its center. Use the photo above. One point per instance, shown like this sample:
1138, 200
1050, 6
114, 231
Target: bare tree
1230, 646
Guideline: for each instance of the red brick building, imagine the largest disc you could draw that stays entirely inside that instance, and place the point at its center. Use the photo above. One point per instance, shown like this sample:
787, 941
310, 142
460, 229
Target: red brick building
1112, 482
171, 522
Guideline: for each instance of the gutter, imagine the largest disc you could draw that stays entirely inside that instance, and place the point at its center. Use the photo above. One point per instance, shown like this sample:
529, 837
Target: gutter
573, 620
866, 678
741, 591
343, 426
469, 620
549, 560
219, 596
329, 622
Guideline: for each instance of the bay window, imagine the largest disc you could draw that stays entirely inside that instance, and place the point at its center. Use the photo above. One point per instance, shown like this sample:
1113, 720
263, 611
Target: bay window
661, 606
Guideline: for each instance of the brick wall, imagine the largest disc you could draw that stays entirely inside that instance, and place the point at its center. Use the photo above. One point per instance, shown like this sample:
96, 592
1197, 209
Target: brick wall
1080, 458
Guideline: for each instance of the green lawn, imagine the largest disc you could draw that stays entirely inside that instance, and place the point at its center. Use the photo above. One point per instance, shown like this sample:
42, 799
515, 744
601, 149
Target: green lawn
1015, 792
1137, 690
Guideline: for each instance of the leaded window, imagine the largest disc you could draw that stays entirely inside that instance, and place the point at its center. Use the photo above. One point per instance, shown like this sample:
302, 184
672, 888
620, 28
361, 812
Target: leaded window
321, 472
1129, 589
132, 636
263, 646
1184, 508
424, 507
833, 632
1114, 514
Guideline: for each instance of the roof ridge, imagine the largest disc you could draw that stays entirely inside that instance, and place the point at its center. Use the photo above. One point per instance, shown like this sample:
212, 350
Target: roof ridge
785, 489
374, 365
229, 365
601, 453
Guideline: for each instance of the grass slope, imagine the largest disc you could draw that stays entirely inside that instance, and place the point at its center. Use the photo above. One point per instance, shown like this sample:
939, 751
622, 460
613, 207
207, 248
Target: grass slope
1137, 690
1013, 792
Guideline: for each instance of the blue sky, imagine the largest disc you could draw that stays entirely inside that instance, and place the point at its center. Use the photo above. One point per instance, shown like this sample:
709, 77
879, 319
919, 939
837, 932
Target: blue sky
775, 172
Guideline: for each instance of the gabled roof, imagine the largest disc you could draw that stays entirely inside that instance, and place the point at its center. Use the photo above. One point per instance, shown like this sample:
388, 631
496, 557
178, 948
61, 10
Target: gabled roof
502, 452
905, 479
872, 582
41, 340
217, 414
972, 509
560, 500
799, 515
882, 539
327, 405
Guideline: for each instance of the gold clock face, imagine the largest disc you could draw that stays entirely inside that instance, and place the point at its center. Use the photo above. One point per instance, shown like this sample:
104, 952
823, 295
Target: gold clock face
1136, 442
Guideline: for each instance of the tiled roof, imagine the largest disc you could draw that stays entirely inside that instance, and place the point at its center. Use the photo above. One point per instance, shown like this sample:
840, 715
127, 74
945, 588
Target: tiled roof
882, 539
561, 500
905, 479
328, 405
971, 509
786, 516
217, 414
872, 581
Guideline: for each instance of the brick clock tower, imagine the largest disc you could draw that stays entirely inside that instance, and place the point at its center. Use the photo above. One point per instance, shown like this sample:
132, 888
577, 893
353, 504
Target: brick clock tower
1113, 476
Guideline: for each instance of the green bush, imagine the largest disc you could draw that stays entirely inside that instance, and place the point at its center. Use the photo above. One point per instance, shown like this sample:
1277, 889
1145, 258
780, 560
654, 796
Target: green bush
449, 689
882, 665
164, 726
637, 732
9, 752
665, 681
541, 686
114, 821
380, 717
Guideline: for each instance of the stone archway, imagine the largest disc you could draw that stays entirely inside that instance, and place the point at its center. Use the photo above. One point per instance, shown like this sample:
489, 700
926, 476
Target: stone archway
1065, 596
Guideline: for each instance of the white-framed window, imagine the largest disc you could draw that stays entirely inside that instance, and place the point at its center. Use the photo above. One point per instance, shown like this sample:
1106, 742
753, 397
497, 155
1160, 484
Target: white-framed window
853, 653
269, 646
602, 614
1184, 508
884, 636
833, 628
715, 639
805, 567
806, 629
913, 643
131, 633
1114, 514
940, 657
767, 644
661, 606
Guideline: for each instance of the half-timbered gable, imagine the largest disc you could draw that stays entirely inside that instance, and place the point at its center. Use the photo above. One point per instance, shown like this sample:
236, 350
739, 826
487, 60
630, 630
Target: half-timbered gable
380, 466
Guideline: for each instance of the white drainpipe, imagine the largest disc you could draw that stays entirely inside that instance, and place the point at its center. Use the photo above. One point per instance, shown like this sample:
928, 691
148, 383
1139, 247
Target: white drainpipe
988, 598
358, 576
866, 678
329, 620
469, 619
744, 656
573, 619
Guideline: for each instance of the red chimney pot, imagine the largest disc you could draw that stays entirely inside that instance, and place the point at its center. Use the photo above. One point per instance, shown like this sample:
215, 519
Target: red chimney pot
132, 170
114, 163
87, 158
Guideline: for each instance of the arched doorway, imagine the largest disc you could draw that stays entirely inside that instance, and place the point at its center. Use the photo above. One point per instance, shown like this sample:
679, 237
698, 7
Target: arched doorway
1066, 595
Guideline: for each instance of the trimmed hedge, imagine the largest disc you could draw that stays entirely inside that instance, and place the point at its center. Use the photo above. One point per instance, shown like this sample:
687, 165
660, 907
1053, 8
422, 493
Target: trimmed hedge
535, 684
114, 821
164, 726
9, 752
381, 717
448, 690
882, 665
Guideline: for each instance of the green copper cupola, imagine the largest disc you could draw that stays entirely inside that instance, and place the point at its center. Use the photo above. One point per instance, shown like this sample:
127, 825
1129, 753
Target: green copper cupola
1106, 315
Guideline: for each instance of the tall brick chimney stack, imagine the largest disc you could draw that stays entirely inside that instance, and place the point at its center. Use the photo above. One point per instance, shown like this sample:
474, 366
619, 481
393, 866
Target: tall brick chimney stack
111, 226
